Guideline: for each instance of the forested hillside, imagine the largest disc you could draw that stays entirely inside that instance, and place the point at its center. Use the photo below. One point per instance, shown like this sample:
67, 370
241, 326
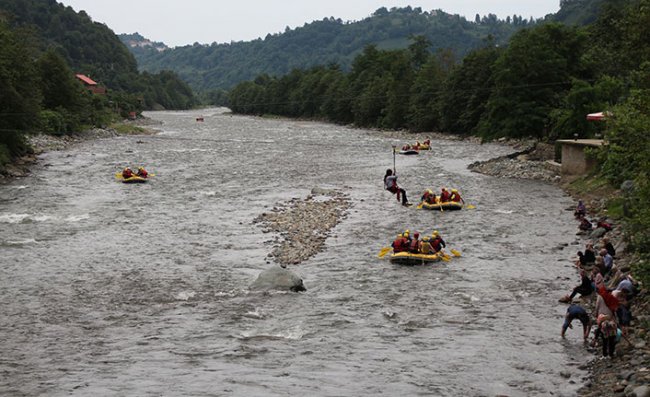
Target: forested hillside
90, 48
328, 41
43, 45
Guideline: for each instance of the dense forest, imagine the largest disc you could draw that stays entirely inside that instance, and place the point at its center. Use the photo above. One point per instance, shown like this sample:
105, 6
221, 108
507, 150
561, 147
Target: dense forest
328, 41
43, 44
541, 85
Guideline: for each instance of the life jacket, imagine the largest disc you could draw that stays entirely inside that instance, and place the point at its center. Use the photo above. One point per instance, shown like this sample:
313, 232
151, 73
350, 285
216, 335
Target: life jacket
444, 196
127, 174
455, 197
414, 246
143, 173
425, 247
399, 245
436, 244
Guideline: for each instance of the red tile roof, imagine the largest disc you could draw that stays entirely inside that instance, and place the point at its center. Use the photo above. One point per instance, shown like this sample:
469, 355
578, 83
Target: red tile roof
87, 80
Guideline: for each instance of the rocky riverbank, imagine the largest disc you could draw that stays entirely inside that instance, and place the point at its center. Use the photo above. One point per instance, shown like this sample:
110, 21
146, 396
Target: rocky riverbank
303, 225
531, 160
44, 142
628, 373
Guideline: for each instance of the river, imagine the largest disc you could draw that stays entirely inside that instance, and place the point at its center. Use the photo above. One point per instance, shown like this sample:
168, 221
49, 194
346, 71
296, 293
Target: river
142, 290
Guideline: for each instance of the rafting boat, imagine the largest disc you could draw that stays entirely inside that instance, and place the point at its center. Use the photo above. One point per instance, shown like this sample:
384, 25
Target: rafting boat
133, 179
446, 206
407, 258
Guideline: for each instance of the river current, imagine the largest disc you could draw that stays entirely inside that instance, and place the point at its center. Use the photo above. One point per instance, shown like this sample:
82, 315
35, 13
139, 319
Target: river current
142, 290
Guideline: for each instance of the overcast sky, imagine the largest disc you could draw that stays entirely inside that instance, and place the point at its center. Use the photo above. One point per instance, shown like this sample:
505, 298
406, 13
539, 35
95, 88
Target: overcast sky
177, 22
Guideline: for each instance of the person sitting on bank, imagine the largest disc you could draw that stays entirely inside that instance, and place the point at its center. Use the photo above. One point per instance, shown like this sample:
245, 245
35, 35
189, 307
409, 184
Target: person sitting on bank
444, 195
585, 225
609, 247
581, 210
608, 261
390, 184
573, 312
127, 173
142, 173
455, 197
585, 288
587, 258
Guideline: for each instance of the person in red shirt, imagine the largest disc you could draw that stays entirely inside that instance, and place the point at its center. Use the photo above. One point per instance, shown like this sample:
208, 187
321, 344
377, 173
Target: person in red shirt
127, 173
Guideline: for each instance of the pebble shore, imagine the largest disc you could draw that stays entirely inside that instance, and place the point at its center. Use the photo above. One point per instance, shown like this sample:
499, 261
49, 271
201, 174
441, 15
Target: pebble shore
303, 225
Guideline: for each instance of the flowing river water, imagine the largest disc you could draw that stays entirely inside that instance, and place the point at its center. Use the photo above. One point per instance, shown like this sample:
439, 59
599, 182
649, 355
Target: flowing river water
142, 290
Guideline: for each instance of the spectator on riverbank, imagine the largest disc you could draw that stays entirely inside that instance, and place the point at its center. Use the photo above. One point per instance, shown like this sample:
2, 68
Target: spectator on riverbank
588, 258
607, 329
581, 210
608, 262
585, 288
585, 225
573, 312
609, 247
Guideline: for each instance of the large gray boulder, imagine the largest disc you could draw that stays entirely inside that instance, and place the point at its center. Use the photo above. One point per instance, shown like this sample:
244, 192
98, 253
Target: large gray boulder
598, 233
278, 279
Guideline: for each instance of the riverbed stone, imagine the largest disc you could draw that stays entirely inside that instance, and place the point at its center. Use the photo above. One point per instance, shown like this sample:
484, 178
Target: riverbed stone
641, 391
278, 279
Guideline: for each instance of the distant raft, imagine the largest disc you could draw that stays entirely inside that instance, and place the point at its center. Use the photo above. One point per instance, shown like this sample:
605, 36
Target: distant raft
409, 259
133, 179
446, 206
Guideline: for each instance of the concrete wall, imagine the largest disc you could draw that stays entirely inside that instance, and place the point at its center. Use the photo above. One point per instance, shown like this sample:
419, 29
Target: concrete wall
574, 160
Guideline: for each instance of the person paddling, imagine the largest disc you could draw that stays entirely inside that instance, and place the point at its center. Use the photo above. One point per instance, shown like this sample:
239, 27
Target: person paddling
142, 173
390, 184
127, 173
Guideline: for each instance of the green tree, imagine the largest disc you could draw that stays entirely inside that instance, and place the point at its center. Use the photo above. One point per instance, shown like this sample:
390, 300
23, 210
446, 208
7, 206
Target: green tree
19, 94
530, 79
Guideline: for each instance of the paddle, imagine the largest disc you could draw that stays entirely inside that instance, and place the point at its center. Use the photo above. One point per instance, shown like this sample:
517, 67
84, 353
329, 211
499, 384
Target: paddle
420, 205
470, 206
455, 252
384, 251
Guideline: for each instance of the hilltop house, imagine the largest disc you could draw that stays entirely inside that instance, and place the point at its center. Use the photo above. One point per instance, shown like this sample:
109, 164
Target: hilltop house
91, 85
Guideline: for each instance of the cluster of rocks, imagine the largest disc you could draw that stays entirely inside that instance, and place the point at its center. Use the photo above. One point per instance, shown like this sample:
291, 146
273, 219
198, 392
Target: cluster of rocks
628, 373
534, 161
303, 225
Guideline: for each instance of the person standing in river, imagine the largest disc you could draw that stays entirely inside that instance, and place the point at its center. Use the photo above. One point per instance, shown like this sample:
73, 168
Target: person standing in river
390, 184
573, 312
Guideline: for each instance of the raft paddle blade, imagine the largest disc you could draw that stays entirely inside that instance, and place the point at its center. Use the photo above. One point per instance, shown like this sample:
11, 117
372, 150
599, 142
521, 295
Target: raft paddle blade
470, 206
455, 252
384, 251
